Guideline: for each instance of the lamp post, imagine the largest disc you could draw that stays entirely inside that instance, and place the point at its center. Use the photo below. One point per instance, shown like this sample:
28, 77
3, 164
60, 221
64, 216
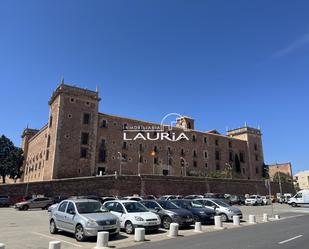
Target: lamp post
120, 163
279, 176
185, 165
153, 154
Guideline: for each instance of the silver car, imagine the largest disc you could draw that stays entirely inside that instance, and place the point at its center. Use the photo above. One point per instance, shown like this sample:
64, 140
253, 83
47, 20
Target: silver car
221, 208
84, 218
38, 202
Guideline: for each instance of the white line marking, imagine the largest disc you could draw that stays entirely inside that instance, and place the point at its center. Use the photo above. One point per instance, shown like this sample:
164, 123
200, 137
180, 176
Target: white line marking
285, 241
55, 238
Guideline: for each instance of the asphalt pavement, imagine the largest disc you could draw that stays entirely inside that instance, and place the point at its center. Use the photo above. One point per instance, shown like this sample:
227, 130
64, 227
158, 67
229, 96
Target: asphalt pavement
285, 233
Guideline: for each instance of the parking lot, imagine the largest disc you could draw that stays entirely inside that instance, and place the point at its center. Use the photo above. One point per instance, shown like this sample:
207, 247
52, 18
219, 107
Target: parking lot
29, 229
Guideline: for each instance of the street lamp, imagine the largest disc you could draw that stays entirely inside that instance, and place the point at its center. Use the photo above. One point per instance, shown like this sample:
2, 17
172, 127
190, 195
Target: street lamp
184, 165
279, 176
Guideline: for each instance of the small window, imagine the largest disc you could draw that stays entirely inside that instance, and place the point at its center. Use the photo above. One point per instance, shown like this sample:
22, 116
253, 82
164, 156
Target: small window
170, 161
87, 103
165, 172
48, 141
182, 153
86, 118
103, 123
256, 157
205, 154
47, 155
84, 138
217, 166
205, 140
83, 152
72, 100
217, 155
140, 159
194, 153
216, 142
194, 163
69, 115
194, 138
231, 156
206, 165
230, 144
155, 149
241, 157
256, 170
124, 145
50, 121
155, 160
70, 208
255, 147
140, 147
125, 126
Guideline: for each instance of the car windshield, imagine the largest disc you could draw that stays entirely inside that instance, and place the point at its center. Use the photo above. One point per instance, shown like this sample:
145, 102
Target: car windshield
168, 205
196, 204
134, 207
221, 203
90, 207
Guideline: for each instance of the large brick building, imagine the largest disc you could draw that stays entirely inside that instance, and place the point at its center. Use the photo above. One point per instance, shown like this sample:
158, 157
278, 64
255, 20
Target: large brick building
78, 141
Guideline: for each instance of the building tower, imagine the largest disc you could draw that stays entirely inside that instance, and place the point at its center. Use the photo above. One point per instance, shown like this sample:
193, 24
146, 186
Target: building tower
255, 156
71, 135
185, 123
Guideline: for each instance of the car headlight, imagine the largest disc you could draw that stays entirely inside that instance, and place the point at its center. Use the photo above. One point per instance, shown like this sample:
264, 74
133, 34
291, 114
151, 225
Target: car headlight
138, 218
92, 223
202, 212
230, 211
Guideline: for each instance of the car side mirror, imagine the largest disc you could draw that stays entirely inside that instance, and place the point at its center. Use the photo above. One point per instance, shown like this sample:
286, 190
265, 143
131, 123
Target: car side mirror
72, 212
157, 209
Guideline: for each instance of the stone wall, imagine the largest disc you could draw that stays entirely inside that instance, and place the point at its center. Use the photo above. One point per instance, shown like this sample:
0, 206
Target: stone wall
128, 185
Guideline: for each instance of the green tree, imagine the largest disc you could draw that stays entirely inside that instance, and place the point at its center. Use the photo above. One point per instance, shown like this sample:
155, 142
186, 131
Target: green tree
11, 159
283, 177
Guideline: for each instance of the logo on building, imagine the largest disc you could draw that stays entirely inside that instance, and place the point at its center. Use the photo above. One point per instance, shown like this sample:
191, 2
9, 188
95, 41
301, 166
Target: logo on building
171, 128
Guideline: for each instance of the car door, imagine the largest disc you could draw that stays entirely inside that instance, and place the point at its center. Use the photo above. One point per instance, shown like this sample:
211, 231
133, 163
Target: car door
119, 211
60, 215
211, 205
69, 217
154, 207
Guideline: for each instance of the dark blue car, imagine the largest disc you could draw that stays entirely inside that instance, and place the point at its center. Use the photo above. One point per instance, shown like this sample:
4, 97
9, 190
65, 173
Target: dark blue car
200, 213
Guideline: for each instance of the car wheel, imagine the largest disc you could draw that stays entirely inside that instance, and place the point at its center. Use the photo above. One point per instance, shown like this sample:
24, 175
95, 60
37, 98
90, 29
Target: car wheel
52, 227
294, 204
79, 233
25, 207
224, 217
166, 222
129, 227
196, 218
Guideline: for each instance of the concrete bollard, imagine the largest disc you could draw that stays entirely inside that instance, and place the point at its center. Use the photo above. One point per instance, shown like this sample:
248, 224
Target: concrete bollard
218, 222
265, 218
2, 246
252, 219
139, 234
102, 240
198, 227
236, 220
54, 245
277, 217
173, 230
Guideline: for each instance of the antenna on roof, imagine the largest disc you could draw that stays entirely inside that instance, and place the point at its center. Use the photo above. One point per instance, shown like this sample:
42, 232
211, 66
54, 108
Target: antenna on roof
246, 125
259, 128
62, 80
97, 88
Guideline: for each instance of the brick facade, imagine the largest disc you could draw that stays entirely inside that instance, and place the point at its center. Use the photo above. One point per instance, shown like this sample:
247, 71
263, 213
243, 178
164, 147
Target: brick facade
80, 141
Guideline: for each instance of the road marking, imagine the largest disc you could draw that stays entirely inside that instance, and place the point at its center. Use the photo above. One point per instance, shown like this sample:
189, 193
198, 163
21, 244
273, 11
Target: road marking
285, 241
55, 238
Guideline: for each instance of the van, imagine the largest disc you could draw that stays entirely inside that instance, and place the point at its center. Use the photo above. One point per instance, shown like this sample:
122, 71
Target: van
302, 197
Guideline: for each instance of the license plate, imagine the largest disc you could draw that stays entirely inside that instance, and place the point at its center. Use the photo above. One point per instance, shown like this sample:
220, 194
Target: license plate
152, 223
108, 227
189, 220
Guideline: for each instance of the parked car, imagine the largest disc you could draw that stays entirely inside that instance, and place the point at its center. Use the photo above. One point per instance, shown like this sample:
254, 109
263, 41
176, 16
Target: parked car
221, 208
170, 197
254, 200
84, 218
301, 198
133, 214
200, 213
132, 198
193, 196
4, 201
266, 200
237, 200
149, 197
169, 212
107, 198
38, 202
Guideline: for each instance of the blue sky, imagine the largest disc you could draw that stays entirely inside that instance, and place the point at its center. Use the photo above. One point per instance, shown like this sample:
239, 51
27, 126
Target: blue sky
223, 63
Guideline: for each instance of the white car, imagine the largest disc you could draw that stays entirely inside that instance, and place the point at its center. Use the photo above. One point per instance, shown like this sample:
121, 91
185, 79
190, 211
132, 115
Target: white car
266, 200
254, 200
133, 214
